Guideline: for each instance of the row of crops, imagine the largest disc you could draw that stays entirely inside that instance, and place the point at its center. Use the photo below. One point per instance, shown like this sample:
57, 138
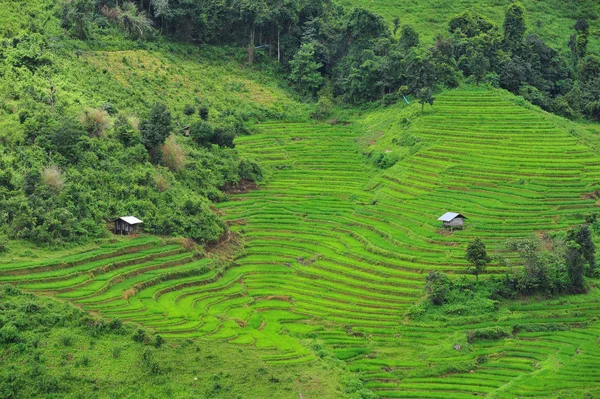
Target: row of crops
337, 252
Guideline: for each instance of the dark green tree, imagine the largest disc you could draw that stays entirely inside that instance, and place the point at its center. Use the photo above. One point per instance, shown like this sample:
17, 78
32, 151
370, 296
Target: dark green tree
156, 129
582, 235
581, 42
514, 27
479, 66
202, 132
305, 70
425, 96
575, 266
396, 24
477, 256
409, 38
76, 15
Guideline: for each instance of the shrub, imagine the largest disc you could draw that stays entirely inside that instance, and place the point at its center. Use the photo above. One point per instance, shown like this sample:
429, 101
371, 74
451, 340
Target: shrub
140, 335
203, 112
115, 324
160, 182
158, 341
95, 121
437, 287
489, 333
52, 177
173, 155
150, 363
116, 353
66, 340
189, 110
9, 334
324, 107
125, 132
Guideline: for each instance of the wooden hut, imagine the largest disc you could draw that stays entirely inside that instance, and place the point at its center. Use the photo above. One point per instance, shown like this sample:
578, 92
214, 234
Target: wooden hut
127, 225
452, 220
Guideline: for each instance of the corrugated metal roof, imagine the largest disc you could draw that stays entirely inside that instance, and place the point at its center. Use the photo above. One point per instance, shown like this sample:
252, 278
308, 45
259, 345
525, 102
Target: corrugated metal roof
448, 216
131, 219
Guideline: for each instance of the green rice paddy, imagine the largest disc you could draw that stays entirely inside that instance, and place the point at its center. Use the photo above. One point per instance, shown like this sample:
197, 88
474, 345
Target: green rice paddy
336, 253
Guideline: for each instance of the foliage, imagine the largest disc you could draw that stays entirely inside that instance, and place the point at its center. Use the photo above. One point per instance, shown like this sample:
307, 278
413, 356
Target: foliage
477, 256
437, 287
425, 96
514, 27
305, 70
156, 129
36, 363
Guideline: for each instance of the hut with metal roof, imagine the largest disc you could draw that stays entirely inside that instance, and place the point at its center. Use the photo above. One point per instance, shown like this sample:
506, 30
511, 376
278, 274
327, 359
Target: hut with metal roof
127, 225
452, 220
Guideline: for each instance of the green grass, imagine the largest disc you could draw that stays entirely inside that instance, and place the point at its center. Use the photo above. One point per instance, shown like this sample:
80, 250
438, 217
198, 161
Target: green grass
430, 17
336, 252
58, 348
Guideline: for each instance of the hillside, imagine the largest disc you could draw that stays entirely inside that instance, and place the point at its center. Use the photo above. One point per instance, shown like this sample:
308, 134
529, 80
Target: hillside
52, 349
289, 160
336, 253
430, 17
73, 115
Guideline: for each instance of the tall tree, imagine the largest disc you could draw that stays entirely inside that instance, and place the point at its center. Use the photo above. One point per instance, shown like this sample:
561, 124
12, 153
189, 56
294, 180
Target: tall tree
76, 15
575, 266
409, 38
425, 96
305, 70
478, 66
478, 257
514, 27
156, 129
583, 237
582, 27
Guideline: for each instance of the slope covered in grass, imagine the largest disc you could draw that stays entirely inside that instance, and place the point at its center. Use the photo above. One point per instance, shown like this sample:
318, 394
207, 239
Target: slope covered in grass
336, 253
52, 349
430, 17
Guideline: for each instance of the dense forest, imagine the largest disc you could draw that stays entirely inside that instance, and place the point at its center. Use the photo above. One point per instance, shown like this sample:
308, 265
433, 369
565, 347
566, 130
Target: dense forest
351, 52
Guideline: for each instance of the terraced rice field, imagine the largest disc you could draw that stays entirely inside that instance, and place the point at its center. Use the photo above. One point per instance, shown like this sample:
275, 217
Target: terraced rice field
336, 253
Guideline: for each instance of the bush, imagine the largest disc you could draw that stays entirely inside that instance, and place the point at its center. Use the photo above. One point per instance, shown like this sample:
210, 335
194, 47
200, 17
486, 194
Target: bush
158, 341
173, 155
9, 334
52, 177
489, 333
140, 336
160, 182
96, 121
438, 286
66, 340
189, 110
150, 363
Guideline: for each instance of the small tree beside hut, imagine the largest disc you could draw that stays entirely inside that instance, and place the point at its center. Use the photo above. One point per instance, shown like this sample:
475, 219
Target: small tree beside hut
478, 257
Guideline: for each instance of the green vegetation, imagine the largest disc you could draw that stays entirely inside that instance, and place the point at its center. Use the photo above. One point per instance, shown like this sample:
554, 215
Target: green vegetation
306, 254
51, 349
549, 19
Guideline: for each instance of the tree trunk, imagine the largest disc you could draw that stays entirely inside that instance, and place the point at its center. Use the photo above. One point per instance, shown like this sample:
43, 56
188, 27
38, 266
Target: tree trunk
251, 48
278, 47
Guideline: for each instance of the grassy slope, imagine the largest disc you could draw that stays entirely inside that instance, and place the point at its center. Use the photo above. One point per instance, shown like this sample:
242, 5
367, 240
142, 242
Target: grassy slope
57, 353
336, 252
133, 75
430, 17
